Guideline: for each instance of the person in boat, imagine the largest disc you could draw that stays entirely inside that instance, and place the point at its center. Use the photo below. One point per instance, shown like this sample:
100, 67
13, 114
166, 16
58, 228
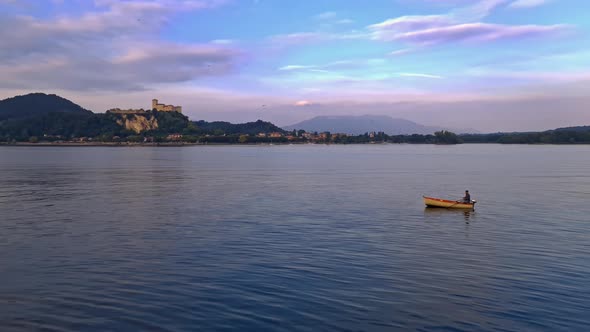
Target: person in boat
467, 198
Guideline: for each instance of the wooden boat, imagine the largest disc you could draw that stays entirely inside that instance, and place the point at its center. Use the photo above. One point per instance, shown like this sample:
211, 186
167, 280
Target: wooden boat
445, 203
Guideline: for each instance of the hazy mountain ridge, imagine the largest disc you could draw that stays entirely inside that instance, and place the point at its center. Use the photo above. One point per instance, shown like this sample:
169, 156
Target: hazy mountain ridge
356, 125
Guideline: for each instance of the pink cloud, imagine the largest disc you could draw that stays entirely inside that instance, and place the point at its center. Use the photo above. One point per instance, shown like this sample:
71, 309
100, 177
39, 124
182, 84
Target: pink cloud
108, 48
388, 29
303, 103
476, 32
461, 24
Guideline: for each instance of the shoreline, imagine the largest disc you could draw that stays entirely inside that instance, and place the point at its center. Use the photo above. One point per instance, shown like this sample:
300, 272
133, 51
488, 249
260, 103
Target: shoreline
187, 144
97, 144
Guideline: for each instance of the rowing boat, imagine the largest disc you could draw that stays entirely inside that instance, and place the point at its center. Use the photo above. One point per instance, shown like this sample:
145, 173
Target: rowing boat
445, 203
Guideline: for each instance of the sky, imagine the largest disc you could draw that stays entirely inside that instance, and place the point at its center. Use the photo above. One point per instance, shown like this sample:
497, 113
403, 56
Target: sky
490, 65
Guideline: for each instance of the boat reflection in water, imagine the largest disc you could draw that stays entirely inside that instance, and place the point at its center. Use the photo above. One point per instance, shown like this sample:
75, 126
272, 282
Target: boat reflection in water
439, 213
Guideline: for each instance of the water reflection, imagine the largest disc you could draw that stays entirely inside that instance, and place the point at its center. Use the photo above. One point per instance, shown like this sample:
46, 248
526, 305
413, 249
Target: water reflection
431, 212
467, 215
118, 239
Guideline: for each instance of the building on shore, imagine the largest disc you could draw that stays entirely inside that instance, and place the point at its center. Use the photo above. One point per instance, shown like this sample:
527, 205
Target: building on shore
165, 108
174, 137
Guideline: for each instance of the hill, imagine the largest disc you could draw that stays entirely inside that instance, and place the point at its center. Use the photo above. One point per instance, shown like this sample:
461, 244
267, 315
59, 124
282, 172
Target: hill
37, 104
356, 125
42, 115
248, 128
582, 129
39, 116
567, 135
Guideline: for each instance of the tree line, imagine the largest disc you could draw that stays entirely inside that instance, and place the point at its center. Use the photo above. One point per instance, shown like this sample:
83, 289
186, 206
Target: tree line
59, 126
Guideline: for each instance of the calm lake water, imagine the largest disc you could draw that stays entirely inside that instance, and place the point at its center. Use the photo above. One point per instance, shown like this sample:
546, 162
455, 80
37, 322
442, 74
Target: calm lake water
294, 238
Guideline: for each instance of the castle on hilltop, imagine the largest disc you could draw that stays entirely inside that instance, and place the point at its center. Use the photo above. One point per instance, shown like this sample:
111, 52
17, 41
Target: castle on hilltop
165, 108
155, 106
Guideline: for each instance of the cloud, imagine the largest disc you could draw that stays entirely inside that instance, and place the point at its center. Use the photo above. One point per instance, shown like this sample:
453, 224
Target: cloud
527, 3
301, 38
116, 20
327, 21
336, 65
476, 32
223, 41
135, 70
419, 75
388, 29
115, 47
459, 25
531, 75
330, 19
296, 67
326, 16
477, 11
400, 52
298, 38
303, 103
166, 5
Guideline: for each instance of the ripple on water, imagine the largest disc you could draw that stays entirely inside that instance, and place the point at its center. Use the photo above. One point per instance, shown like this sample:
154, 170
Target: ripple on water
293, 238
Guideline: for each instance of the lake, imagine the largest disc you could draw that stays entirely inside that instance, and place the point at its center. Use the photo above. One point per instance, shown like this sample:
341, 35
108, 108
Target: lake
294, 238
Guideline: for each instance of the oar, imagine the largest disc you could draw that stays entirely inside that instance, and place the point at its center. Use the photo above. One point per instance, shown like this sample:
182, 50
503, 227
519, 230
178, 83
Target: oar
458, 202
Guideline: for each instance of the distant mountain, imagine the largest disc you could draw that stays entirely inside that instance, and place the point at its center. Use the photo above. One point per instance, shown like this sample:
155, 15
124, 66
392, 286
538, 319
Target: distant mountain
357, 125
36, 104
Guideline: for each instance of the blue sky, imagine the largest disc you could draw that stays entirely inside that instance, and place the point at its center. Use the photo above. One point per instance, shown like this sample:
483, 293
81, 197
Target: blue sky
484, 64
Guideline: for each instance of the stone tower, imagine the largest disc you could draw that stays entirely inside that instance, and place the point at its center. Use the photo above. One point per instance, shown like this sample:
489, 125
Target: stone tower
165, 108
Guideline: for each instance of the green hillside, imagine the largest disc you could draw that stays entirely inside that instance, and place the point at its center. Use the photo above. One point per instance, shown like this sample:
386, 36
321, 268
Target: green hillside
37, 104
